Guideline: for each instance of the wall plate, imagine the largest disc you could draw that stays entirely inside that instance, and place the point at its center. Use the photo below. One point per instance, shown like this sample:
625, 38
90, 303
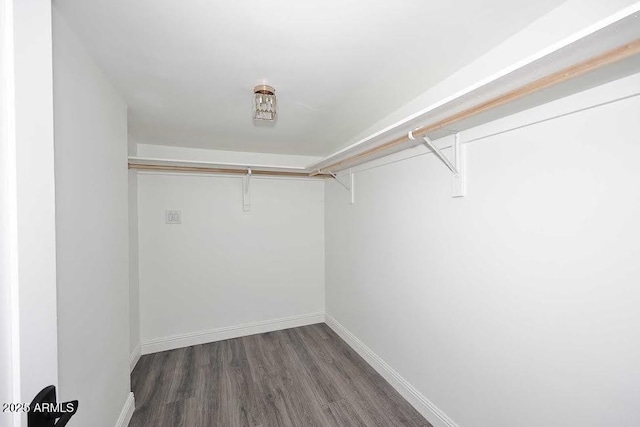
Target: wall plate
173, 217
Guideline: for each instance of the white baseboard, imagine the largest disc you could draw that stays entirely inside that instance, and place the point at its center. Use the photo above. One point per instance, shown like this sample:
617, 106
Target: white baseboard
423, 405
127, 412
203, 337
135, 356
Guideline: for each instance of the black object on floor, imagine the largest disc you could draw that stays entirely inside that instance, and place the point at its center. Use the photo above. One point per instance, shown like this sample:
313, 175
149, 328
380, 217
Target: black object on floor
45, 409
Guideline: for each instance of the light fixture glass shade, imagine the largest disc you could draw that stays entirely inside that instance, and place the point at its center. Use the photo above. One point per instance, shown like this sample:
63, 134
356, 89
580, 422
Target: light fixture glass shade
264, 103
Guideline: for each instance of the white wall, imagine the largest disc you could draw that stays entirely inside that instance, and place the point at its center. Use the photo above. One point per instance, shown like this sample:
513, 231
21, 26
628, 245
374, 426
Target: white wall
517, 305
92, 234
28, 353
223, 267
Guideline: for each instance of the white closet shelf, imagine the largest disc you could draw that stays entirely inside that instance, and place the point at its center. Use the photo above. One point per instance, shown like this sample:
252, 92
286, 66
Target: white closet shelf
194, 166
603, 52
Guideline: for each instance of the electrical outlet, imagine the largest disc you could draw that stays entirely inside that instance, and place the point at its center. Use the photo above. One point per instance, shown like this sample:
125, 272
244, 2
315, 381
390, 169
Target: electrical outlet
173, 217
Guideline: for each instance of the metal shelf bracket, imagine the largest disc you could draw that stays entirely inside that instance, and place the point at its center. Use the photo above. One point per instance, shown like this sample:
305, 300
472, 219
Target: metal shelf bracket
457, 166
246, 199
351, 188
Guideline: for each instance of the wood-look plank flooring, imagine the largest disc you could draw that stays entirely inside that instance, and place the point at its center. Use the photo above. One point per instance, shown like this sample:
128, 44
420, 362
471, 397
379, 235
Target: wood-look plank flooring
303, 376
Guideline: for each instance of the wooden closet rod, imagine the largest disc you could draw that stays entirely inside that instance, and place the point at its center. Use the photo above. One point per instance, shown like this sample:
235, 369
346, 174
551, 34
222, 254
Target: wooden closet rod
573, 71
198, 169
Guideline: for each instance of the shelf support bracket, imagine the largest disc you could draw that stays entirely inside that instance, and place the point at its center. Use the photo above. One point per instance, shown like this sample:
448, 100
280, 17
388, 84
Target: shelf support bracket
457, 165
351, 188
459, 185
246, 199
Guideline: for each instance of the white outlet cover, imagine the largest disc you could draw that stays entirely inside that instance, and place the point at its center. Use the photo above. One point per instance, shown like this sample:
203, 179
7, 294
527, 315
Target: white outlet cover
173, 217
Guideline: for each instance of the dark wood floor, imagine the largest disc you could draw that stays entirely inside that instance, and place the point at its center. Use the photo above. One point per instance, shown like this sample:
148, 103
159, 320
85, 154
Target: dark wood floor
303, 376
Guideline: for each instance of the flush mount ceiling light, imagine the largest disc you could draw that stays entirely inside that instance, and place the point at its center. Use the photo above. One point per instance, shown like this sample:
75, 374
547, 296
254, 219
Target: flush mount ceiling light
264, 103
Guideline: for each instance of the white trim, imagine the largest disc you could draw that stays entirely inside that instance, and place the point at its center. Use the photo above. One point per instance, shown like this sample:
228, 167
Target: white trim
135, 356
219, 334
9, 202
423, 405
127, 411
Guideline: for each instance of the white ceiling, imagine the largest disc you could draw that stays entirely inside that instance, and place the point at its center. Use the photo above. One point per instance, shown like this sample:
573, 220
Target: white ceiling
187, 68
